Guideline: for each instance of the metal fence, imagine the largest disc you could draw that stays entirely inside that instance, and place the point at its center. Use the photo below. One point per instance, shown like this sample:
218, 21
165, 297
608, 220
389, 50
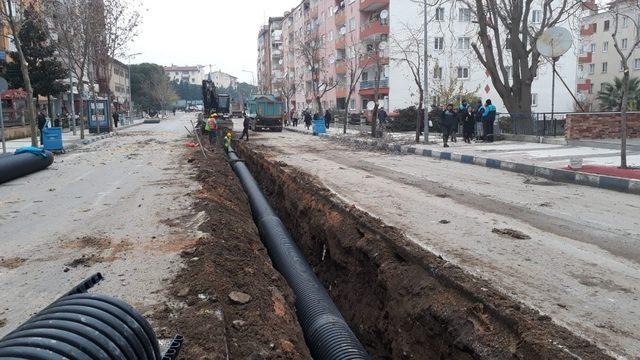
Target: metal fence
538, 124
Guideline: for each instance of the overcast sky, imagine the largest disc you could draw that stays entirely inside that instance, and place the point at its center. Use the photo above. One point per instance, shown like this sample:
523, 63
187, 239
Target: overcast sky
222, 33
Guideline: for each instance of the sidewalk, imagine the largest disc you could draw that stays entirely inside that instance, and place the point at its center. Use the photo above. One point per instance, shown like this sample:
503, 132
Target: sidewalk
69, 140
544, 160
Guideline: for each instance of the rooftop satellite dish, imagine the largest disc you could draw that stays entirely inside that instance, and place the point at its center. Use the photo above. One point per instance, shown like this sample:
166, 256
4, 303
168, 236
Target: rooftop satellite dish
554, 42
382, 45
343, 30
280, 62
371, 105
332, 59
384, 14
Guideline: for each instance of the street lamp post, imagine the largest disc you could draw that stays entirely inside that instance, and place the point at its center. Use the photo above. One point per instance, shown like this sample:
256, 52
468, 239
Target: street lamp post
425, 91
129, 74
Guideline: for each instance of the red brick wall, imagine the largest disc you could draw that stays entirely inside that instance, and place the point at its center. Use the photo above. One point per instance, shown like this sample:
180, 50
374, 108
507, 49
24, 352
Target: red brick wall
600, 126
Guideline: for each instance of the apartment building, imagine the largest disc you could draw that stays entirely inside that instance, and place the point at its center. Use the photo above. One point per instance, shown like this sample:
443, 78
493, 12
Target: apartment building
341, 26
359, 27
119, 85
191, 74
599, 62
222, 79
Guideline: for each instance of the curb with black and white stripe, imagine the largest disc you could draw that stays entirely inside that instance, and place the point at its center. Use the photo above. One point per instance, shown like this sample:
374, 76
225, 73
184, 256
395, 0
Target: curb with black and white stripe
560, 175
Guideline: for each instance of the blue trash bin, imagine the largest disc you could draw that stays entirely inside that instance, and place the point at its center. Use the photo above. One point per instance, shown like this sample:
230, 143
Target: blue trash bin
52, 139
319, 126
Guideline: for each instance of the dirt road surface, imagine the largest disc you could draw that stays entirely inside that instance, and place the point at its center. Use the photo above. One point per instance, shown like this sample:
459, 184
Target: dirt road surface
569, 251
101, 208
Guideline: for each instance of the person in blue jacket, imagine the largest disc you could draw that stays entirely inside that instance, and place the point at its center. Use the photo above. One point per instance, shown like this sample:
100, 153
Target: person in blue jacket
488, 119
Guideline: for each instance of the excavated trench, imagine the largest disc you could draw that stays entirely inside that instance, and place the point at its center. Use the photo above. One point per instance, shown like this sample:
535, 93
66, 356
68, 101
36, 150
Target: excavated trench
402, 301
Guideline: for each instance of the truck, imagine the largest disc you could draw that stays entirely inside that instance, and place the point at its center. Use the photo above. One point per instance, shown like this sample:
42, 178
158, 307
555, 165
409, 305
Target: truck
236, 108
216, 103
265, 112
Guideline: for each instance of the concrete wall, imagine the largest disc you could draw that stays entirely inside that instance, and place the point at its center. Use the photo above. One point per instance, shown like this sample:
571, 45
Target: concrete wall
600, 126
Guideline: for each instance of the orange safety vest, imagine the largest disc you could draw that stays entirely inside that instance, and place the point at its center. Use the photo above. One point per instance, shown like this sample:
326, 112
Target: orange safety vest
213, 124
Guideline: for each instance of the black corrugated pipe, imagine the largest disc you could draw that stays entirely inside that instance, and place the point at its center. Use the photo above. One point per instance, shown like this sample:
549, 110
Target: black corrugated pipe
82, 326
326, 332
15, 166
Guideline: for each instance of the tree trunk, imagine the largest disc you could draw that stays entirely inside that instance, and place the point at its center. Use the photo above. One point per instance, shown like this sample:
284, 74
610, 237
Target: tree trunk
24, 68
81, 107
93, 102
346, 113
319, 104
623, 120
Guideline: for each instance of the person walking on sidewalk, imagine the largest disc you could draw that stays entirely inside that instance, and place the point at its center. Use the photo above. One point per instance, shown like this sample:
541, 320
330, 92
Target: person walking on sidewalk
447, 122
307, 118
116, 119
327, 118
42, 121
245, 128
488, 118
478, 117
468, 125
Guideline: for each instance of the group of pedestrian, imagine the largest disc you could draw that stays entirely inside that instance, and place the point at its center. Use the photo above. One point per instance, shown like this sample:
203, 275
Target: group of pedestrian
475, 120
308, 118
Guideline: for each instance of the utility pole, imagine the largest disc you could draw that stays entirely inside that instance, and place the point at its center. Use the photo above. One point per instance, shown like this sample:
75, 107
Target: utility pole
71, 98
426, 75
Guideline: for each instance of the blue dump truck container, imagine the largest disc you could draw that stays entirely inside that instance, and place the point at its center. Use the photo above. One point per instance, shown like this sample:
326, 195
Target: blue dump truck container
52, 139
265, 112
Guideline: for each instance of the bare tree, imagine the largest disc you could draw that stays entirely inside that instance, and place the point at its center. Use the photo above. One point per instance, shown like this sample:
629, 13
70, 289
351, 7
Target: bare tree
376, 55
287, 89
73, 32
119, 20
409, 45
354, 64
311, 50
11, 13
625, 14
451, 90
511, 29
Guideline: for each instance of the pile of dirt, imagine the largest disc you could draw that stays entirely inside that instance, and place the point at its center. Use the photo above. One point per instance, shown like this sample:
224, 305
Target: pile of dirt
402, 301
228, 301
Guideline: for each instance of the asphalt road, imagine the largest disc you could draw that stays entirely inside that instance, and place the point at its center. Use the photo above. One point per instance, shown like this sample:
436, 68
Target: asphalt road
119, 206
579, 258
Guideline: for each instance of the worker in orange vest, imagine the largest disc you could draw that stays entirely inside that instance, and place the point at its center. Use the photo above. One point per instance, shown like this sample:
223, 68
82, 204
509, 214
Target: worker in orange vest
212, 127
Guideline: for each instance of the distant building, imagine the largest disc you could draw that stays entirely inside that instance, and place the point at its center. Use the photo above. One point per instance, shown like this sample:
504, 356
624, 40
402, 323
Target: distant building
119, 85
222, 79
191, 74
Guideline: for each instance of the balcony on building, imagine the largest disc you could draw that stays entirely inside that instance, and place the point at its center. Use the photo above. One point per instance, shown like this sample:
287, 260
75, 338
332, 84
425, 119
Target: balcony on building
588, 30
340, 17
373, 5
341, 91
588, 58
371, 59
368, 87
341, 67
341, 41
373, 28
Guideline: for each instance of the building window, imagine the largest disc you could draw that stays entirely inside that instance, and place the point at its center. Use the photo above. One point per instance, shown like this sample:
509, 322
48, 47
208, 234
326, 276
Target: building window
352, 24
464, 43
625, 22
437, 72
352, 104
605, 67
606, 25
592, 69
534, 99
463, 72
536, 16
464, 15
331, 35
625, 43
440, 14
439, 43
509, 71
636, 64
603, 87
590, 88
593, 48
605, 46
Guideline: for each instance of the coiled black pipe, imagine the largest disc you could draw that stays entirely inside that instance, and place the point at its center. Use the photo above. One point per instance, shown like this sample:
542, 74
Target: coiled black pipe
82, 326
326, 332
15, 166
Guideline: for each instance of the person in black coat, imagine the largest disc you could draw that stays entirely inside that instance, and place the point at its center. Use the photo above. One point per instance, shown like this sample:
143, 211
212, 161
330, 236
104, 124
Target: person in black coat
448, 119
327, 118
42, 121
307, 118
245, 128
